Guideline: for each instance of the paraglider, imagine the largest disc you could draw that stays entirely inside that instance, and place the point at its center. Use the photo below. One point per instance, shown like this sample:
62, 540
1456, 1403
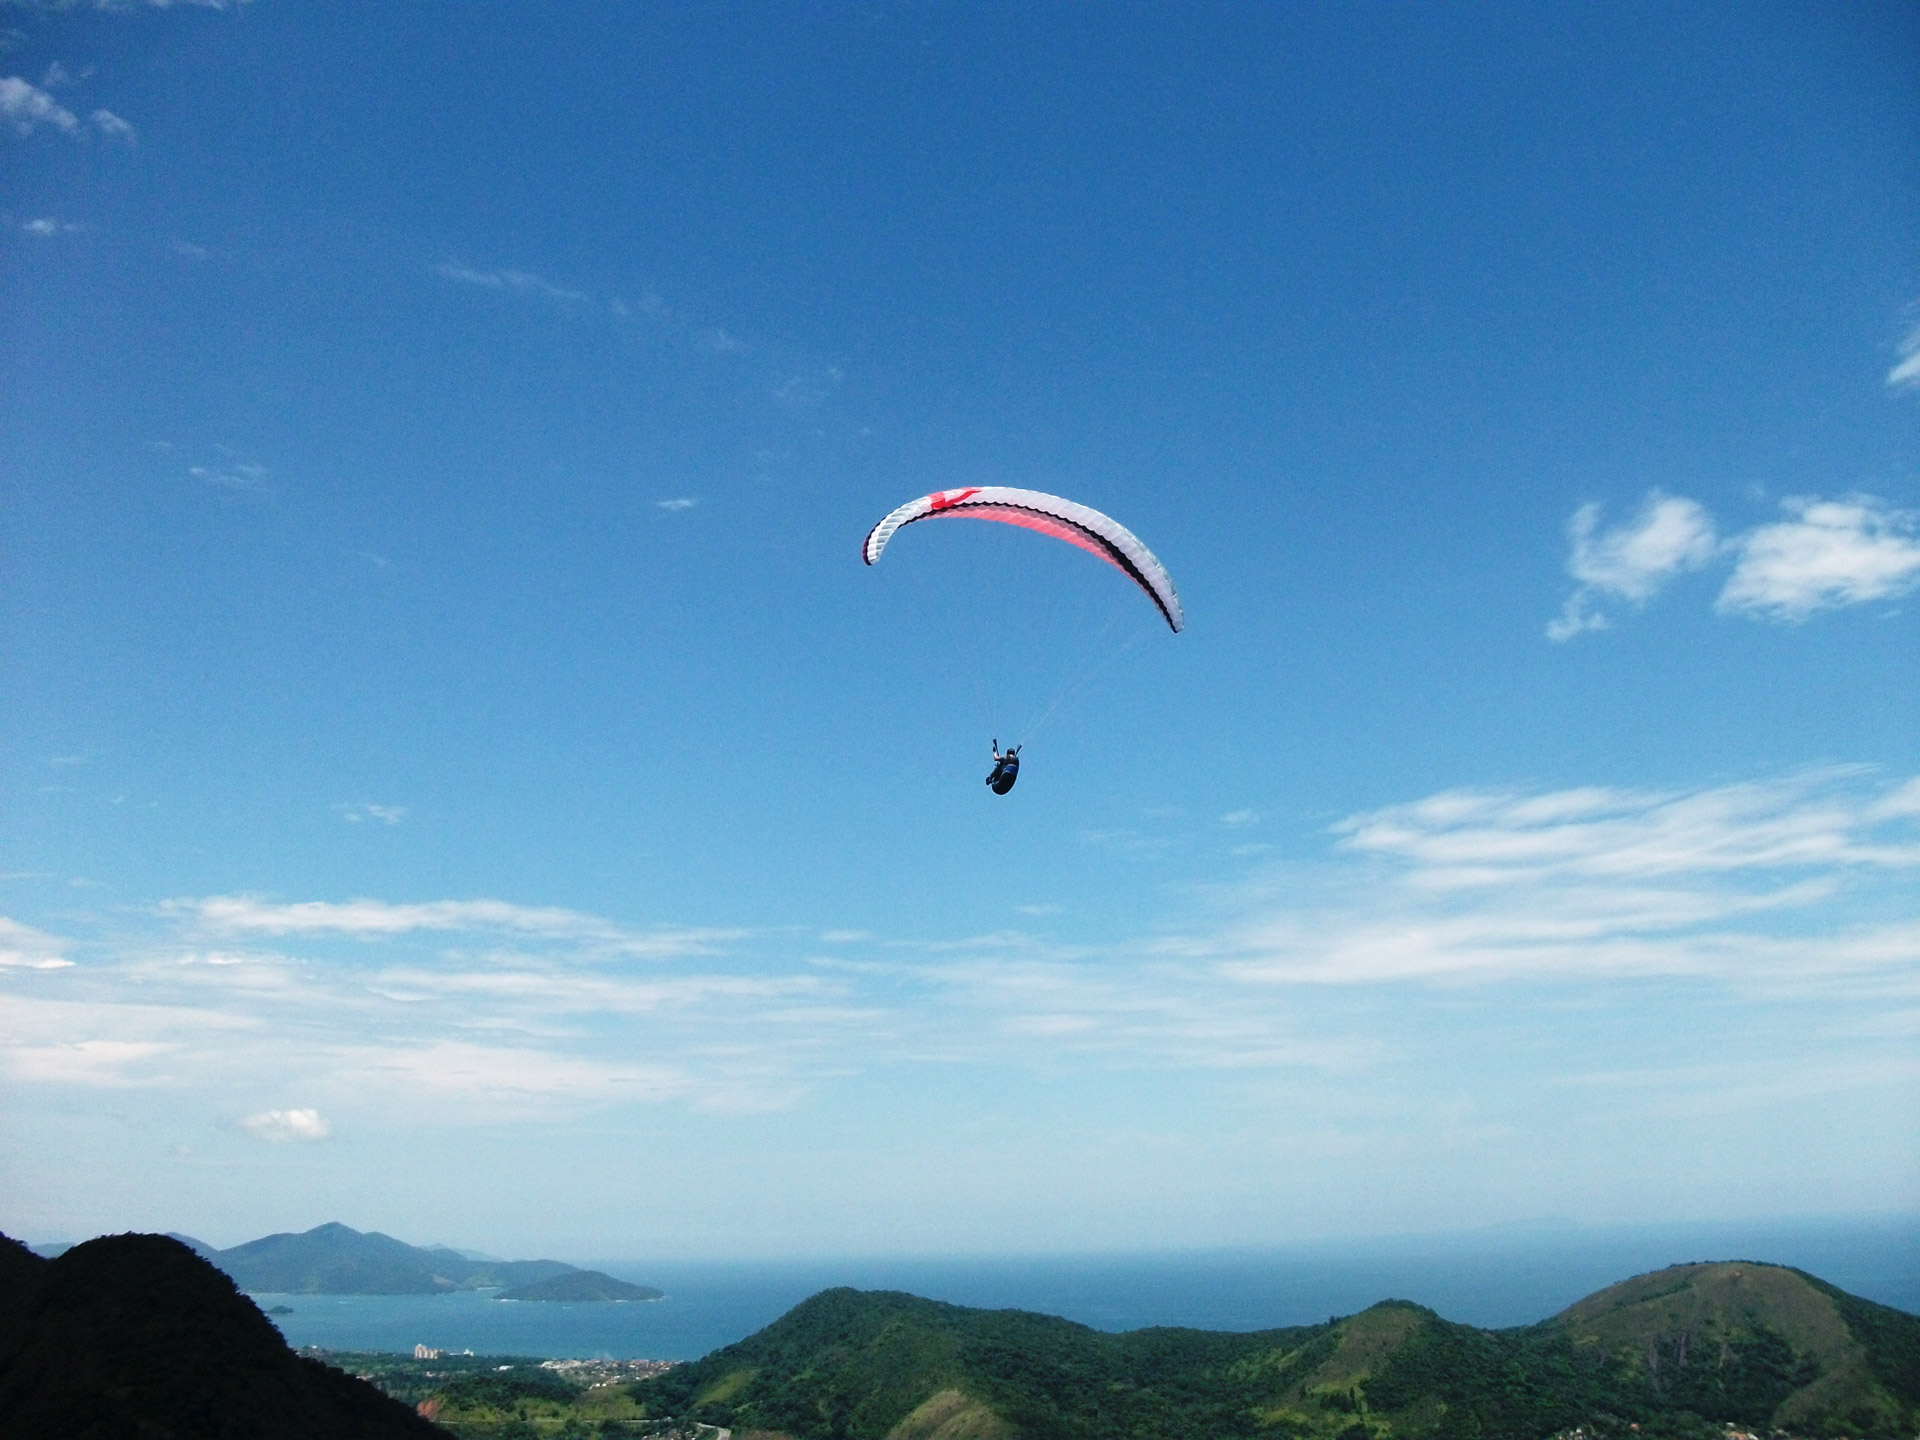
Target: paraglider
1006, 768
1099, 535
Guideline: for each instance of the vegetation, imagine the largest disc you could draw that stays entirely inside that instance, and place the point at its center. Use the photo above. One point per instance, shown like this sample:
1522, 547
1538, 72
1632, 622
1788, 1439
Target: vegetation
480, 1397
1680, 1355
135, 1334
580, 1286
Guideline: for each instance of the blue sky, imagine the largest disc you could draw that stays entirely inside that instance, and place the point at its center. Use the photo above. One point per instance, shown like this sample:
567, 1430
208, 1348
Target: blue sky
460, 780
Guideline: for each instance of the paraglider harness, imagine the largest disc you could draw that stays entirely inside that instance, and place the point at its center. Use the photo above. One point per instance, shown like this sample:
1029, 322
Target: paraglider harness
1006, 768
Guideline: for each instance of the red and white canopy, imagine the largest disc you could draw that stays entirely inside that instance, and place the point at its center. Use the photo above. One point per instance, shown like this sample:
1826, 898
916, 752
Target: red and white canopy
1080, 525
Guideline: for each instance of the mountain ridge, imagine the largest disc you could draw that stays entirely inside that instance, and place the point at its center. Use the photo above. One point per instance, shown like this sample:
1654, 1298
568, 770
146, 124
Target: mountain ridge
336, 1259
1685, 1353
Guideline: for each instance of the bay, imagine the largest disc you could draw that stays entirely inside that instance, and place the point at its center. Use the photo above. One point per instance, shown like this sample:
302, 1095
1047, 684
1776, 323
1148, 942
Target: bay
1489, 1278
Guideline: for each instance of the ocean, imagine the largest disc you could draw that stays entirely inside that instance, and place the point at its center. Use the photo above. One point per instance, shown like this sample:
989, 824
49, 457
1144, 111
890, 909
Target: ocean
1491, 1278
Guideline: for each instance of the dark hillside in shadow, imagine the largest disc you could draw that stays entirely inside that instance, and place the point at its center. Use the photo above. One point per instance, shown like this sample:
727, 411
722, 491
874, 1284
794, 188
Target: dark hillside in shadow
135, 1335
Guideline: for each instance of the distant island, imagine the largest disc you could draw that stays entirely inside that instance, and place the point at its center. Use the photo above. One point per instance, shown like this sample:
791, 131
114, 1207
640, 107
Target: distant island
334, 1259
581, 1286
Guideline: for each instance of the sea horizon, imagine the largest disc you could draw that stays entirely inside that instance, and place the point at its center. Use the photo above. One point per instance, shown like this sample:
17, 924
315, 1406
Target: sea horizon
1503, 1276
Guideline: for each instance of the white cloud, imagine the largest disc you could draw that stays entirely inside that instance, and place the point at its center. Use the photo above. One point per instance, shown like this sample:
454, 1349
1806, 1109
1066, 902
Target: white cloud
23, 947
1633, 561
1743, 883
26, 107
1905, 374
112, 127
1240, 817
459, 1011
518, 281
281, 1126
127, 7
245, 478
1468, 837
385, 814
244, 914
94, 1063
1830, 553
682, 503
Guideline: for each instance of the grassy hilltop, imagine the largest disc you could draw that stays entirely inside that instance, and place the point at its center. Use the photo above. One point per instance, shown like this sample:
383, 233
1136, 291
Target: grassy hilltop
1681, 1353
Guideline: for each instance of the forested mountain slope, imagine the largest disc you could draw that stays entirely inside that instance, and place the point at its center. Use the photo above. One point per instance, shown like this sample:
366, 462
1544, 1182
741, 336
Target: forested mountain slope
1681, 1353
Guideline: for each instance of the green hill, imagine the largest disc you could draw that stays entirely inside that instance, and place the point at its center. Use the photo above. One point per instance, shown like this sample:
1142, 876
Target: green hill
580, 1286
1684, 1353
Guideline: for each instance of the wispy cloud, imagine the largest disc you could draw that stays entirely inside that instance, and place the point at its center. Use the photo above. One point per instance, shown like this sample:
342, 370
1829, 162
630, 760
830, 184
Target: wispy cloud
717, 341
1467, 837
280, 1126
465, 1011
1630, 562
683, 502
1828, 554
383, 814
94, 1063
21, 945
243, 914
1905, 374
1756, 883
514, 281
25, 107
230, 474
112, 127
127, 7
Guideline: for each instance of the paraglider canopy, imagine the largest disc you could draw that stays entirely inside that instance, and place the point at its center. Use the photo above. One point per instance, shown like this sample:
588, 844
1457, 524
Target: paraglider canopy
1076, 524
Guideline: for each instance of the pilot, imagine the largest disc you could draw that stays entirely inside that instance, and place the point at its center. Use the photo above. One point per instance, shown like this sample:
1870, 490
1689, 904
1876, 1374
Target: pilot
1006, 768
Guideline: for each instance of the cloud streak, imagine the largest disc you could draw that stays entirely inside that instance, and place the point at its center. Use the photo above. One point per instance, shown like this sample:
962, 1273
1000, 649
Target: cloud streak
511, 281
26, 948
278, 1127
1905, 374
25, 107
112, 127
1757, 884
367, 919
1796, 889
382, 814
